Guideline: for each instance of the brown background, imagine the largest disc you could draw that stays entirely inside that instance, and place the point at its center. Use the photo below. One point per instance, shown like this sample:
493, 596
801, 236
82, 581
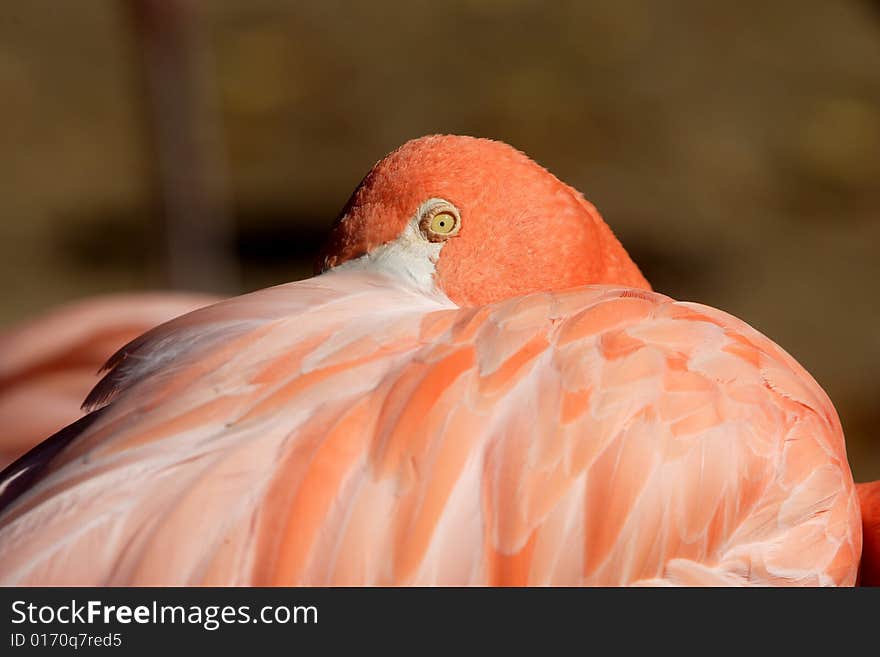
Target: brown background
734, 148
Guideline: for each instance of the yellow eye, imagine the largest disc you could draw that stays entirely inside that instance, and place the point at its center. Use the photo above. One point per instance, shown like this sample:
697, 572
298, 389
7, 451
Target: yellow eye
442, 223
439, 220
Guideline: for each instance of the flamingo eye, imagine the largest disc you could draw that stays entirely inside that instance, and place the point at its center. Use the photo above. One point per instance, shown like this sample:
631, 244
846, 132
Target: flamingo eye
440, 221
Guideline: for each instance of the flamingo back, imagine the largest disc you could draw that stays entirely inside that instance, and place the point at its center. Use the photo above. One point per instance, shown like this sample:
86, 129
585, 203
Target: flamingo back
346, 430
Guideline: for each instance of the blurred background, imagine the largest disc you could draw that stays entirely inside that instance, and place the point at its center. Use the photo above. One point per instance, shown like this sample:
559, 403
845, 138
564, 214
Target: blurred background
207, 146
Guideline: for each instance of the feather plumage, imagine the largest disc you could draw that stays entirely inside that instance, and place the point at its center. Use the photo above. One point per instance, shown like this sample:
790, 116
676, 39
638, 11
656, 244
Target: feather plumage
348, 430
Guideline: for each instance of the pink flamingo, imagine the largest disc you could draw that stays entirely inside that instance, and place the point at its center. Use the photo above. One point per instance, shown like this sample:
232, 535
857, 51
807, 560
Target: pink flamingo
478, 388
869, 497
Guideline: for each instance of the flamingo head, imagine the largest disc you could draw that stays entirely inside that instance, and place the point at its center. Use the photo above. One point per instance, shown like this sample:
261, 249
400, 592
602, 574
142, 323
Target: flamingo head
476, 220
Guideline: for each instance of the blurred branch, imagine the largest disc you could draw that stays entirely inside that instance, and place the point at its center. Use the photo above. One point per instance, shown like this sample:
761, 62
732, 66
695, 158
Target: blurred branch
196, 224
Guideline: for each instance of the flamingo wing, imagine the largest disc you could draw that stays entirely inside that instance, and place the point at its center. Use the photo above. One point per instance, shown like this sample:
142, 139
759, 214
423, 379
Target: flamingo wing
49, 363
346, 430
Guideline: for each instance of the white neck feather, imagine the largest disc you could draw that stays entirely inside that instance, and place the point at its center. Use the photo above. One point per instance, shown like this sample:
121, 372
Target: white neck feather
410, 259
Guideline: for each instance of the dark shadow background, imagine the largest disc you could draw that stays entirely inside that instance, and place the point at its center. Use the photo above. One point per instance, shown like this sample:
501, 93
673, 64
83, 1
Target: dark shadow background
734, 148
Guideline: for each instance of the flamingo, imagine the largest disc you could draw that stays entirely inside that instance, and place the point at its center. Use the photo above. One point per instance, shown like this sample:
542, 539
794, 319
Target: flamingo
48, 363
477, 387
869, 497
